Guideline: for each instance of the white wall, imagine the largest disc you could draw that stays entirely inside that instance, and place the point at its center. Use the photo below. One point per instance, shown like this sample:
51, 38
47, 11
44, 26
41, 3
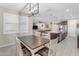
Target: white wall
10, 38
6, 38
72, 27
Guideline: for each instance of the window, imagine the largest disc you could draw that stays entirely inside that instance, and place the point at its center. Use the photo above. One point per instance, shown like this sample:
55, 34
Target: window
23, 23
10, 23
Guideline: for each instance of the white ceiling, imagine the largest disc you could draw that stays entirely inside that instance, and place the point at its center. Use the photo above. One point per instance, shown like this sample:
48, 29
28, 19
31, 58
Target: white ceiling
13, 6
59, 10
47, 9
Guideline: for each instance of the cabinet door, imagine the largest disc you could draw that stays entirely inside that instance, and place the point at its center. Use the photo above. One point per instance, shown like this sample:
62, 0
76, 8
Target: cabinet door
77, 41
10, 23
23, 24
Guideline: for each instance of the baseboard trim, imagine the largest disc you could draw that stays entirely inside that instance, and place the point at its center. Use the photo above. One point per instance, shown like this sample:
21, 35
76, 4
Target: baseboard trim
6, 45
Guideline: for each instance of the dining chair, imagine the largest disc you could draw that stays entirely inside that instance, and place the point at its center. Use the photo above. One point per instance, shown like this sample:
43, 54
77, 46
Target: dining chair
47, 51
50, 48
53, 43
19, 50
26, 52
43, 51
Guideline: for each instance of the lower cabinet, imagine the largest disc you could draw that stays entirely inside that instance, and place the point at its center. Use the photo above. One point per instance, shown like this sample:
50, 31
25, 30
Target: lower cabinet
62, 36
77, 41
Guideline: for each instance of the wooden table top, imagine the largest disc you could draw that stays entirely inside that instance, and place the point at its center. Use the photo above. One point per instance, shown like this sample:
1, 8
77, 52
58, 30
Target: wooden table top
33, 42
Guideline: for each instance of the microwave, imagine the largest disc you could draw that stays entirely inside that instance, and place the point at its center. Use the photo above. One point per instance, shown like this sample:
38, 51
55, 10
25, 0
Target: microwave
35, 27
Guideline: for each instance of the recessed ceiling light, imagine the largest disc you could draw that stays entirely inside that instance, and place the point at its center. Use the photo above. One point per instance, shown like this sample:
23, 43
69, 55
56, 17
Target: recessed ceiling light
49, 10
67, 10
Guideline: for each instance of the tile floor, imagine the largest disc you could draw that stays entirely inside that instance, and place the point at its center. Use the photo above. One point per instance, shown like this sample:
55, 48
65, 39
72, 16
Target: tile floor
68, 47
8, 51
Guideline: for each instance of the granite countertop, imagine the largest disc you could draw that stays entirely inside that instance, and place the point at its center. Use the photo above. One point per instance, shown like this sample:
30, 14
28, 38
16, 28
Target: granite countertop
33, 41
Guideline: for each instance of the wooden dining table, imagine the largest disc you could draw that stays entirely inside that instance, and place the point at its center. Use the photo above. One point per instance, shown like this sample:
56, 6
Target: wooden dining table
33, 43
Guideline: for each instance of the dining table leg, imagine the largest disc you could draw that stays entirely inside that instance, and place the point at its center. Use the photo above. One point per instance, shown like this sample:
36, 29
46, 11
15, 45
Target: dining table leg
32, 52
19, 49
